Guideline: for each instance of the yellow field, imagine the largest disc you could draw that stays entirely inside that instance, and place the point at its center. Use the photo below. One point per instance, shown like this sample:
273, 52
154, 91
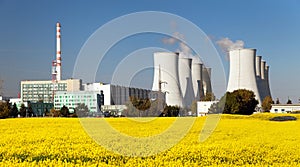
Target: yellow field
237, 140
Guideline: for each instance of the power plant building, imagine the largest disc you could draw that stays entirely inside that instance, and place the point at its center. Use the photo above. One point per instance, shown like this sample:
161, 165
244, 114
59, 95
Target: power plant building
115, 94
248, 71
73, 99
35, 91
181, 78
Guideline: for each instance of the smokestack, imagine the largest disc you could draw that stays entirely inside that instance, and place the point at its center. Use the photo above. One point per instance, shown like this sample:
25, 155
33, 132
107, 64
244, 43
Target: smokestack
58, 52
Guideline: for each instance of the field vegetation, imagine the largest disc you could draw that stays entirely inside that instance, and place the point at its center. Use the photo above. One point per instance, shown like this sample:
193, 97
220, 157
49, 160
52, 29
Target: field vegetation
237, 140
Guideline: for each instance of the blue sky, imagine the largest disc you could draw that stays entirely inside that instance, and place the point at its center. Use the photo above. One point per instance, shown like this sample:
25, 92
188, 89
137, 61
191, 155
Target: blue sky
27, 35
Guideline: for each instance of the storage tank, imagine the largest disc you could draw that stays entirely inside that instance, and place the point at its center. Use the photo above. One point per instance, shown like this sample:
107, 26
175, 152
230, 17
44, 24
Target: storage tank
185, 79
166, 70
197, 79
242, 72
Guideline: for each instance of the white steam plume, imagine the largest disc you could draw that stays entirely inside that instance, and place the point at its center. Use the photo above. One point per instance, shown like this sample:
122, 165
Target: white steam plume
179, 38
226, 44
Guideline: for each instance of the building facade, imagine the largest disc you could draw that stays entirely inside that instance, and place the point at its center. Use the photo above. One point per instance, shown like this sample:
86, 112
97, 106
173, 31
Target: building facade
285, 108
115, 94
35, 91
203, 107
73, 99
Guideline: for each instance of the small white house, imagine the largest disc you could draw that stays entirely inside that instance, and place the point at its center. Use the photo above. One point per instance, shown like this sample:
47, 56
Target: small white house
284, 108
203, 107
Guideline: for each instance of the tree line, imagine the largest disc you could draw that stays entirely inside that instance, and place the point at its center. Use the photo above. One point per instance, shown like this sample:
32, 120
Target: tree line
11, 111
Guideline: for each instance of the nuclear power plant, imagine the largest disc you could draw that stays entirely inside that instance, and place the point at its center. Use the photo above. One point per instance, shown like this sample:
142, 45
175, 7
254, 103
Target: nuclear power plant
181, 78
248, 71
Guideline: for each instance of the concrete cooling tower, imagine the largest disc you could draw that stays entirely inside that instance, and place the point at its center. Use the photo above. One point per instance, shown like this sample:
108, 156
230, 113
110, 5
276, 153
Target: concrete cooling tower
258, 66
264, 80
206, 73
166, 70
268, 91
197, 79
242, 73
185, 80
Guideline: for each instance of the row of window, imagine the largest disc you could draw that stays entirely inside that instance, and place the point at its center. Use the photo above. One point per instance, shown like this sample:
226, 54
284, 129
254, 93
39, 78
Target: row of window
68, 97
43, 85
37, 95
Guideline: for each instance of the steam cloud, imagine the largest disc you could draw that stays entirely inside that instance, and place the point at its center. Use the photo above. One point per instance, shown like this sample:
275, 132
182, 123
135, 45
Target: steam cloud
226, 44
178, 38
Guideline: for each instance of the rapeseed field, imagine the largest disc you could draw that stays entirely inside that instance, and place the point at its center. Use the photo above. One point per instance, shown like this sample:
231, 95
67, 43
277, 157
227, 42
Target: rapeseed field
236, 141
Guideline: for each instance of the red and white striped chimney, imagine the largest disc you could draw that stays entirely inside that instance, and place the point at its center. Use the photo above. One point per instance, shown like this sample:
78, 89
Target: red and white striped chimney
58, 52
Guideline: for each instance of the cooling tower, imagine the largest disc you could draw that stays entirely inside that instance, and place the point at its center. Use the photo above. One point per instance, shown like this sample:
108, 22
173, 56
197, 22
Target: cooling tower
262, 71
242, 73
268, 91
206, 74
197, 79
262, 81
265, 88
185, 80
166, 70
257, 65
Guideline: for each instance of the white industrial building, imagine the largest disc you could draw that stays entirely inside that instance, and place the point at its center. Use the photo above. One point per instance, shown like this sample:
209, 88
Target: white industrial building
115, 94
248, 71
285, 108
183, 79
203, 107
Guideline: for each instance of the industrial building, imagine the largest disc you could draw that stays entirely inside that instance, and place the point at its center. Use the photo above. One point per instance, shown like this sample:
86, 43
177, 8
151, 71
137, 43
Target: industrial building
35, 91
203, 107
285, 108
72, 99
98, 95
115, 94
248, 71
183, 79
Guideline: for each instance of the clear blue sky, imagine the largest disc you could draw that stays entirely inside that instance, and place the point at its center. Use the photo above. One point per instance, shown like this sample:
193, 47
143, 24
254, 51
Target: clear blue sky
27, 34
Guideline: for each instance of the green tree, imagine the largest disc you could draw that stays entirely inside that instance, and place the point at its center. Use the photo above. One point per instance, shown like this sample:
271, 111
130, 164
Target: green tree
30, 112
138, 107
82, 110
54, 113
267, 104
240, 101
47, 112
23, 110
4, 110
64, 111
289, 101
208, 97
14, 111
170, 111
